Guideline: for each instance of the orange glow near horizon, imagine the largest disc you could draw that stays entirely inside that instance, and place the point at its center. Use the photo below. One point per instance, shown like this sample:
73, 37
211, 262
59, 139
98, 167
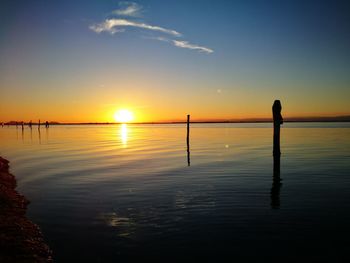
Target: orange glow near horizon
158, 108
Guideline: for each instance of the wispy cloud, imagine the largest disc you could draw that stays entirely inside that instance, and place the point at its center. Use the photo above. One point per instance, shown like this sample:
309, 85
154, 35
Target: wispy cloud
128, 9
185, 44
113, 26
131, 9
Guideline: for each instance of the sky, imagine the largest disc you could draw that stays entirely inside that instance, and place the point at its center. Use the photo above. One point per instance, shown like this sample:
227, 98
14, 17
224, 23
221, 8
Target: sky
81, 61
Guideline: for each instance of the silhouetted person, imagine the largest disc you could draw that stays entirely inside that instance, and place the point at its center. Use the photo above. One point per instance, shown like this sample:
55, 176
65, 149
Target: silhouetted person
46, 124
22, 125
277, 121
30, 124
39, 125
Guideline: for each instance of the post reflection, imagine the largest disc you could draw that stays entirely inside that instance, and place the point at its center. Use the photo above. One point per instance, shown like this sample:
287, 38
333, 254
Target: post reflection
39, 135
188, 154
188, 141
276, 182
47, 134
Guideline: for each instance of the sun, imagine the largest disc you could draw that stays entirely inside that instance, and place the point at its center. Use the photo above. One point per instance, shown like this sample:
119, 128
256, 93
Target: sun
123, 116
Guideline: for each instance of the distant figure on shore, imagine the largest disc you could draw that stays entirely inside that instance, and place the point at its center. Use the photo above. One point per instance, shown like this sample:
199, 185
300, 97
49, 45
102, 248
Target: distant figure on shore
39, 124
46, 124
30, 124
22, 125
277, 121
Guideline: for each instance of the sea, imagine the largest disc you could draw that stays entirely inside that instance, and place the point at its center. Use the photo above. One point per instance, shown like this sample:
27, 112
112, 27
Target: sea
141, 193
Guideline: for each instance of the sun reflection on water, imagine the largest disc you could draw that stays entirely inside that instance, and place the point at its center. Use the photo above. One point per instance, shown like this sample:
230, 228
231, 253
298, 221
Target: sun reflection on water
124, 134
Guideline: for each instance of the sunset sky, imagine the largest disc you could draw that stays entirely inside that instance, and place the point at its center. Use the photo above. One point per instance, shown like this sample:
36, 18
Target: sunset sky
81, 61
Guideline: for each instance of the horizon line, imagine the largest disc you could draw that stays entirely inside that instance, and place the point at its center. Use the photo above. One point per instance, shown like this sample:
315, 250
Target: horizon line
341, 118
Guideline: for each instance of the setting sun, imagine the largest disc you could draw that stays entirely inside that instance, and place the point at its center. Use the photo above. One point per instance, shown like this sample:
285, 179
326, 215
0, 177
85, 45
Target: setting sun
123, 116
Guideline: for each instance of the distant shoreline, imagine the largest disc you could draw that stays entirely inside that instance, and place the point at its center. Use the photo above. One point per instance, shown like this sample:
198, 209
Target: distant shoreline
291, 120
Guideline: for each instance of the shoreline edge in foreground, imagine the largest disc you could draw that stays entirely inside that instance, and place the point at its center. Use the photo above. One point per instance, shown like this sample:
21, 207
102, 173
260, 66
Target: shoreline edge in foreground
20, 239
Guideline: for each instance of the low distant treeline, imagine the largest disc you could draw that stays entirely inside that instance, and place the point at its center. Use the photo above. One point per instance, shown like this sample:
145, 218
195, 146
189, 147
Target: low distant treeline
319, 119
265, 120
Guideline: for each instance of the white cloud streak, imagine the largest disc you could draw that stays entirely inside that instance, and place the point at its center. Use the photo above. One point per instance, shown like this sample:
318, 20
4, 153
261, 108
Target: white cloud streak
185, 44
128, 9
113, 26
117, 25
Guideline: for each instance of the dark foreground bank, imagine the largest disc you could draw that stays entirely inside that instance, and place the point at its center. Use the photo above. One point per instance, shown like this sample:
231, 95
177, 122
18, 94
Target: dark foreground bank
20, 239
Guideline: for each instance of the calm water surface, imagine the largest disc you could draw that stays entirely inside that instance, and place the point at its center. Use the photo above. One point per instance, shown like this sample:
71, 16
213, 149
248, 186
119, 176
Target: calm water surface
118, 193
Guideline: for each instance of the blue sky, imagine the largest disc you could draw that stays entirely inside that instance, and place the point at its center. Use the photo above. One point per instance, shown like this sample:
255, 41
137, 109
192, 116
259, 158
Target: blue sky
248, 52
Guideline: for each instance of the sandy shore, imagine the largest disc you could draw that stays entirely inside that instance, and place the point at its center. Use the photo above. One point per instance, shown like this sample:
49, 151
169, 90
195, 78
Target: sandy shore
20, 239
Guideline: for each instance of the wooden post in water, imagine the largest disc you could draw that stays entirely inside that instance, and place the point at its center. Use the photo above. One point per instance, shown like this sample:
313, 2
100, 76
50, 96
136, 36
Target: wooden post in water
276, 183
277, 121
188, 140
